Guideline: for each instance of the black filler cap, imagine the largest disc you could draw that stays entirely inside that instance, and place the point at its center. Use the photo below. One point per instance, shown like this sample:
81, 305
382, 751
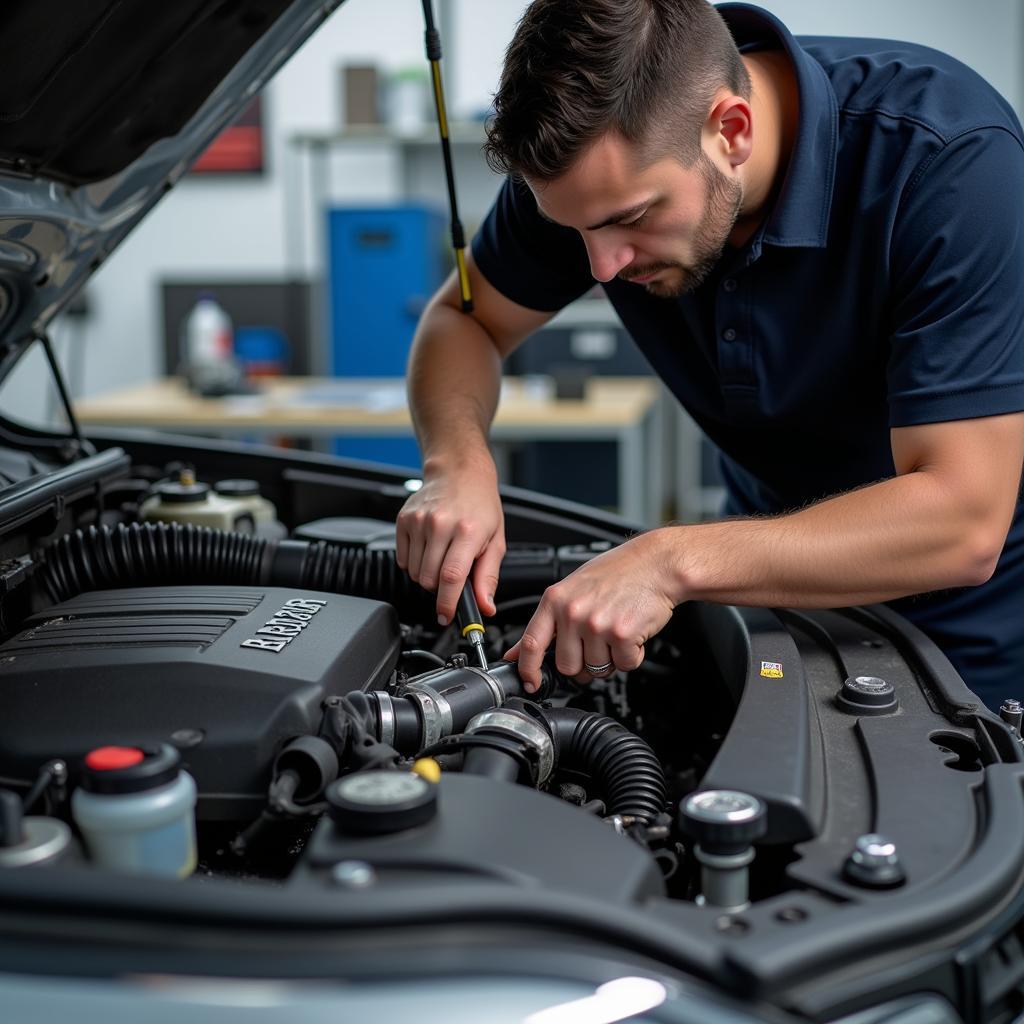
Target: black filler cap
237, 488
868, 695
381, 801
175, 492
723, 821
116, 770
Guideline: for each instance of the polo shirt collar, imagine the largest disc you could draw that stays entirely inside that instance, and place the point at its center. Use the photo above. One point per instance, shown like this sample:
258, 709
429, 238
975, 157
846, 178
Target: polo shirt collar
800, 216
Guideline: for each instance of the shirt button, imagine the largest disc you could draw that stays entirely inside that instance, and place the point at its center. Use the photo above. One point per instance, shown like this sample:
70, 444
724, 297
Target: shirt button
729, 284
729, 334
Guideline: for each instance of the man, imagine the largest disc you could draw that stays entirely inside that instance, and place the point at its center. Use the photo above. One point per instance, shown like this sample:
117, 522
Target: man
819, 246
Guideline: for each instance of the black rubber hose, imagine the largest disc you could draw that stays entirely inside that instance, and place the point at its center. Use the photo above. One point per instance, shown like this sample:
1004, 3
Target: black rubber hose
361, 572
143, 554
623, 766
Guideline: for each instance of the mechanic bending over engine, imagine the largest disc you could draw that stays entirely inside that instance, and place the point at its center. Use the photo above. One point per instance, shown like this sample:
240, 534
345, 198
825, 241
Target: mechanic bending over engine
819, 246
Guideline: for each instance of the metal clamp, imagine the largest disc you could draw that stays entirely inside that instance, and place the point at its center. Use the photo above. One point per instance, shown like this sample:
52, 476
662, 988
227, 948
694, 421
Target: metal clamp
386, 716
430, 715
522, 727
444, 709
497, 692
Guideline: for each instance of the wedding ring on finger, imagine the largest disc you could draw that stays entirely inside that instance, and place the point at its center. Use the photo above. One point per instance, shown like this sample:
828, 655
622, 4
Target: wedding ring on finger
600, 670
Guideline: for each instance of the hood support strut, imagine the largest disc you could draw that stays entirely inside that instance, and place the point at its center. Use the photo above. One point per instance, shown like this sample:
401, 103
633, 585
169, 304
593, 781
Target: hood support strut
65, 398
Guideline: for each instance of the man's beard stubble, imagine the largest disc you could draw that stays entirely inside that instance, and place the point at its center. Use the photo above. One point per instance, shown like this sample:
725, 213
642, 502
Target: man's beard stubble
724, 199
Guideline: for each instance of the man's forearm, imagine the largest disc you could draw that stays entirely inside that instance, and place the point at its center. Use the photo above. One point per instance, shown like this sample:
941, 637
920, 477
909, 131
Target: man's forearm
941, 522
454, 382
898, 537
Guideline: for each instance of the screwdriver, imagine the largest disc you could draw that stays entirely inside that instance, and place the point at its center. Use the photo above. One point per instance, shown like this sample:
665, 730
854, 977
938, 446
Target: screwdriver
468, 617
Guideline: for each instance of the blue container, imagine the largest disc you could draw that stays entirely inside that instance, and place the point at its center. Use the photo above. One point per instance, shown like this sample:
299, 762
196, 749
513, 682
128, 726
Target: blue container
384, 264
262, 351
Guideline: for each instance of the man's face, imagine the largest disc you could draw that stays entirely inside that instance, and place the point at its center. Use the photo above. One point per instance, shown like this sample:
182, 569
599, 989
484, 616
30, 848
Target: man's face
662, 226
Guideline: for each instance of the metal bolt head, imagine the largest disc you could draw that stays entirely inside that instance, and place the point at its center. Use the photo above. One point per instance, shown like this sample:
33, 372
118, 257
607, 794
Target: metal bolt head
875, 849
874, 863
723, 806
353, 874
58, 770
1011, 711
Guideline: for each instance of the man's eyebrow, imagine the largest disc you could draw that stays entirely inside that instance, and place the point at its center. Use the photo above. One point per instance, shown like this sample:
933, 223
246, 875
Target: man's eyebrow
618, 218
615, 218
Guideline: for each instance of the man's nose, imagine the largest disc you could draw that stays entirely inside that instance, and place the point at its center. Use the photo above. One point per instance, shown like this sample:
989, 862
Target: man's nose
607, 258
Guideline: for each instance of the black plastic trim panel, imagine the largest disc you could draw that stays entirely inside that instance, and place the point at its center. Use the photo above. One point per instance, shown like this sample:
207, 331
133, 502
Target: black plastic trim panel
774, 737
31, 498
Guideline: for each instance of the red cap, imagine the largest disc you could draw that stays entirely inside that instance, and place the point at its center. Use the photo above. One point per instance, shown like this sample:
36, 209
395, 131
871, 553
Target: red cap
105, 759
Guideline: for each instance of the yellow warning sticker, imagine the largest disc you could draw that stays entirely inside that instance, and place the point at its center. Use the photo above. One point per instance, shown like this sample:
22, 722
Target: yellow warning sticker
771, 669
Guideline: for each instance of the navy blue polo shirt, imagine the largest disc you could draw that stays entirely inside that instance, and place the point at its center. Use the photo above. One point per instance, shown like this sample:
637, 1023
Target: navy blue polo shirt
884, 289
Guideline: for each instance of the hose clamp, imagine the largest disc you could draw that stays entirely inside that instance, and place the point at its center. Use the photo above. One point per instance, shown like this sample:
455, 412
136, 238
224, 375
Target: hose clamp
385, 716
497, 692
522, 727
430, 715
444, 709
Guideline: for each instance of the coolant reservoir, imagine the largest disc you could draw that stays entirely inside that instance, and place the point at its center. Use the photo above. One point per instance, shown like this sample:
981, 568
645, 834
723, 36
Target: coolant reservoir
135, 808
185, 500
247, 493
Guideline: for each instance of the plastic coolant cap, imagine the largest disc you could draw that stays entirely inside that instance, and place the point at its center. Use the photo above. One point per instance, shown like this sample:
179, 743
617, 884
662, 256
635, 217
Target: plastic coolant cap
427, 768
237, 488
105, 759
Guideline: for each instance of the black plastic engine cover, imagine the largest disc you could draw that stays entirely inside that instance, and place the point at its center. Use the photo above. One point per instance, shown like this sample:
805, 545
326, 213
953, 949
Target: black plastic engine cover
488, 831
229, 674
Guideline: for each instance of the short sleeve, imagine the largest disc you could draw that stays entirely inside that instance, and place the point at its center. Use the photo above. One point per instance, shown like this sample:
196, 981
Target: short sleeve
957, 273
531, 261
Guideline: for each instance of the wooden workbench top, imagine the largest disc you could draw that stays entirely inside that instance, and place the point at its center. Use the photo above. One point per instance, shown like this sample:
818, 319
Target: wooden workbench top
326, 402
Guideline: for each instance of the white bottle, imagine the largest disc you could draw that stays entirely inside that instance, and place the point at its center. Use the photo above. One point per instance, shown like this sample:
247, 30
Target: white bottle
208, 347
135, 808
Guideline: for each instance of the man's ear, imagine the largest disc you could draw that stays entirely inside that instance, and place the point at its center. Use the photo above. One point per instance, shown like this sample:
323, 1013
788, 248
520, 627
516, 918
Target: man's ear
730, 128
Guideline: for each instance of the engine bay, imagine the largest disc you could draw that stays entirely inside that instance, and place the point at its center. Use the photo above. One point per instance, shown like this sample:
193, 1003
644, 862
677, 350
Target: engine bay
743, 804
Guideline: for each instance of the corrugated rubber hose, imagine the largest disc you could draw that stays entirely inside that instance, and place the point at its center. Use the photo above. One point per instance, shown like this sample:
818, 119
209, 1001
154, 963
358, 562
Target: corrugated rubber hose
624, 767
162, 554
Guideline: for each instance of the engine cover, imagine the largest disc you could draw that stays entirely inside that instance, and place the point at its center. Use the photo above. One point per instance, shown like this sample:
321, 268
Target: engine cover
229, 674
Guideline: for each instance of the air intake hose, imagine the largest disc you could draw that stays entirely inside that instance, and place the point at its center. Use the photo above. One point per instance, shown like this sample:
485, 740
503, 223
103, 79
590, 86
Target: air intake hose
142, 554
622, 765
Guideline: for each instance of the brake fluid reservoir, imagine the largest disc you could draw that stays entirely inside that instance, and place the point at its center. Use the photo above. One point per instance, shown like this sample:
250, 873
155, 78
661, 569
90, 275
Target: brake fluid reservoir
135, 808
185, 500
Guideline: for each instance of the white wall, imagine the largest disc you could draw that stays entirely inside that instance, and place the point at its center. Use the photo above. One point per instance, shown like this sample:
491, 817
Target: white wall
988, 35
245, 228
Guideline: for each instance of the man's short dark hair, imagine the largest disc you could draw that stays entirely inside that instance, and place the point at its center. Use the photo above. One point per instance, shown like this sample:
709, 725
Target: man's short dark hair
576, 69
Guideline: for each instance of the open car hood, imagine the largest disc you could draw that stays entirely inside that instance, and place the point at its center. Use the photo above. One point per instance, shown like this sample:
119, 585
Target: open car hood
370, 810
100, 116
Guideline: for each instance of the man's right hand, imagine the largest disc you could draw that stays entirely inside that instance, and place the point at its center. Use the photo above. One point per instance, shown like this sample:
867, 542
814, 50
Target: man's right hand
451, 526
455, 519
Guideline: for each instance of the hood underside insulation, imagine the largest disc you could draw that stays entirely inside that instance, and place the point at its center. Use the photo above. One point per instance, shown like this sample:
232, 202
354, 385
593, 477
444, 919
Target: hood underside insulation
87, 87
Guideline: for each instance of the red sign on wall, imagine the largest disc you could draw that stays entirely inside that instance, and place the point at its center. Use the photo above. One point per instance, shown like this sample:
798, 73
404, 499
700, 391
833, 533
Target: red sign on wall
239, 147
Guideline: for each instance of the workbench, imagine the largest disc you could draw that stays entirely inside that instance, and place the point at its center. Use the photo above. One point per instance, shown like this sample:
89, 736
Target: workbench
626, 410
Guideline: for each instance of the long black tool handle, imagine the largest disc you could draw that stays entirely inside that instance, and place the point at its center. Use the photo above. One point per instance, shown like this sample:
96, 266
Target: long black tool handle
471, 622
433, 41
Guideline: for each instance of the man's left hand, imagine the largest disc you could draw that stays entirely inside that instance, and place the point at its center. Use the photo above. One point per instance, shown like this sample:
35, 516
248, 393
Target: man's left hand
603, 613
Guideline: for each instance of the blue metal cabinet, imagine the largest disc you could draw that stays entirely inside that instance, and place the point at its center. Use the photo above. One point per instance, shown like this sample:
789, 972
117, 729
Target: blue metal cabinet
384, 264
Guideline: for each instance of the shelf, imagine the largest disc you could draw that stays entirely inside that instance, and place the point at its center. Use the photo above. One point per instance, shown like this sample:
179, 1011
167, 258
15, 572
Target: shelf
469, 133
